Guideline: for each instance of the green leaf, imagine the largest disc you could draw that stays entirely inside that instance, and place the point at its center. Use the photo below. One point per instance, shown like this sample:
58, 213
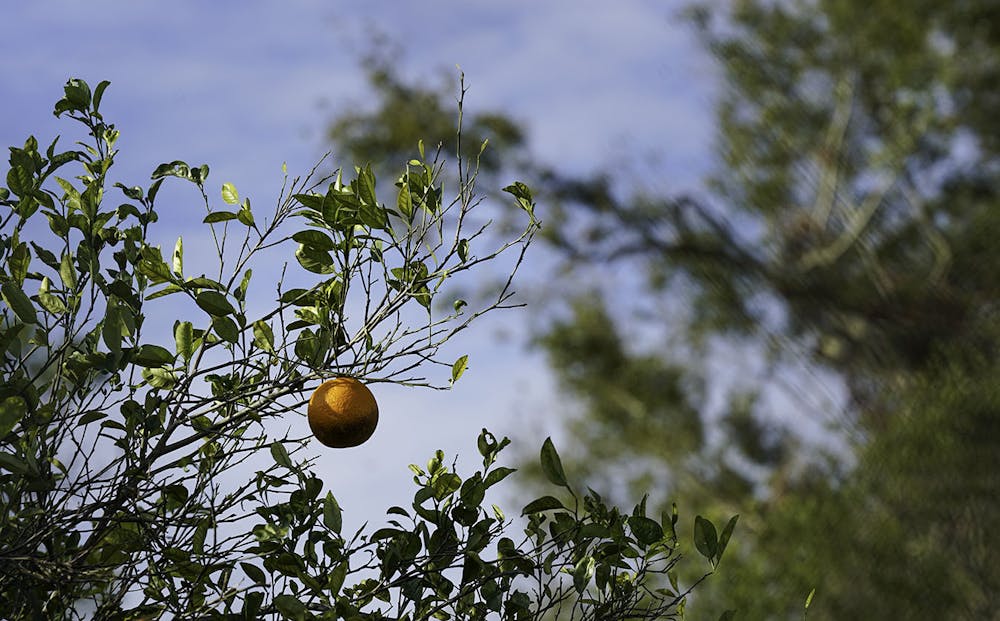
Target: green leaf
263, 336
290, 607
18, 302
463, 250
497, 475
67, 273
89, 417
10, 336
214, 303
160, 378
315, 261
244, 215
152, 356
99, 94
168, 290
254, 573
229, 193
332, 517
184, 338
220, 216
545, 503
18, 262
646, 530
809, 598
727, 532
522, 193
111, 330
177, 168
458, 368
366, 186
582, 573
12, 463
178, 259
552, 465
404, 203
226, 328
310, 201
77, 96
241, 291
705, 538
12, 410
48, 301
280, 455
317, 240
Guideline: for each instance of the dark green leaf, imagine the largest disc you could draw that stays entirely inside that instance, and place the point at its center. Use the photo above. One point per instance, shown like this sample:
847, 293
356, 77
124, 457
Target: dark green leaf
176, 168
254, 573
244, 215
18, 302
226, 328
13, 464
646, 531
317, 240
332, 517
214, 303
152, 356
705, 538
552, 465
219, 216
99, 94
727, 532
12, 410
280, 455
545, 503
290, 606
311, 201
90, 417
463, 250
497, 475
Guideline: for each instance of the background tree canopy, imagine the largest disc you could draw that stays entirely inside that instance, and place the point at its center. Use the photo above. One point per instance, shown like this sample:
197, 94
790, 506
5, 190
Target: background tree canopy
850, 231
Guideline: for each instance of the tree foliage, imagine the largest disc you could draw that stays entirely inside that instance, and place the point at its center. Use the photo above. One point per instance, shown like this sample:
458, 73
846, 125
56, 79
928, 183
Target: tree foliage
140, 473
848, 232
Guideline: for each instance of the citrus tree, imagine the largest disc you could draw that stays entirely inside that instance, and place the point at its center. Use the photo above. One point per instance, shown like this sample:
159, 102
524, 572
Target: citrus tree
140, 476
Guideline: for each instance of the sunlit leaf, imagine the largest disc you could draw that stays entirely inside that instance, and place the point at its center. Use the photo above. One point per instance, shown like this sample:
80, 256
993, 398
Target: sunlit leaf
458, 368
229, 193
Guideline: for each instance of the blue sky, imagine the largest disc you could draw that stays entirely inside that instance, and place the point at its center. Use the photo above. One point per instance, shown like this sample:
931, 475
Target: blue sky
246, 86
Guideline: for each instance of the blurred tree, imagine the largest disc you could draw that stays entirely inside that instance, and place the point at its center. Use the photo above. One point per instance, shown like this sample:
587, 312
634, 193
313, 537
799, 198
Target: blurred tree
851, 229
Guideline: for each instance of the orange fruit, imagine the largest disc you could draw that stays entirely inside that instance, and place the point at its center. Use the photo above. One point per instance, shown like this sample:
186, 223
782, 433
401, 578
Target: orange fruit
342, 412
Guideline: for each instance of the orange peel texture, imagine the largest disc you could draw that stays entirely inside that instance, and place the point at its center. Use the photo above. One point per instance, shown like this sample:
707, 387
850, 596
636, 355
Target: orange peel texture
342, 413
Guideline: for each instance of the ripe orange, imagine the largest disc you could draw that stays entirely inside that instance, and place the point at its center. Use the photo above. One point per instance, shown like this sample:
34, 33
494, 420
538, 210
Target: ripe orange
342, 412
